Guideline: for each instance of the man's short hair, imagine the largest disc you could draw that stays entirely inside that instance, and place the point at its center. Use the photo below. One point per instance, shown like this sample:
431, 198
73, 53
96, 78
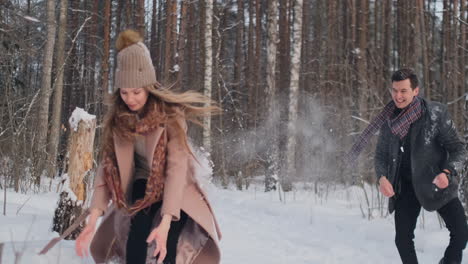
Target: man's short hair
403, 74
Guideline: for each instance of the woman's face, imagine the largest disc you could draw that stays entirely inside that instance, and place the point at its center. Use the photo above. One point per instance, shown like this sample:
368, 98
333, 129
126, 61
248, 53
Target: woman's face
134, 98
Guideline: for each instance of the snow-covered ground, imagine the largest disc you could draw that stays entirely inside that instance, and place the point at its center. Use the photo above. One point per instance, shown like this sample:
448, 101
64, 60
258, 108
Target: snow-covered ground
257, 228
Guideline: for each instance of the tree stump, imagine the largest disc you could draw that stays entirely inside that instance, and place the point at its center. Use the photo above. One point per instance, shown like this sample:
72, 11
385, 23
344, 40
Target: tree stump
79, 165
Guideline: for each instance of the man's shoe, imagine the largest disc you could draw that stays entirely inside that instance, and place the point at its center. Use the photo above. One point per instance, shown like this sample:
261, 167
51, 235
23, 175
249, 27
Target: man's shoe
442, 261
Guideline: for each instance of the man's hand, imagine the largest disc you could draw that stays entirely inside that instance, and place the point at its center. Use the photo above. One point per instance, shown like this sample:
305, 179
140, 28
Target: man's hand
386, 187
441, 180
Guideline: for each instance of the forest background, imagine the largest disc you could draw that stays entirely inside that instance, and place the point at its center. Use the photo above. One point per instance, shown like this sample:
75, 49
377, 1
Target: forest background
297, 80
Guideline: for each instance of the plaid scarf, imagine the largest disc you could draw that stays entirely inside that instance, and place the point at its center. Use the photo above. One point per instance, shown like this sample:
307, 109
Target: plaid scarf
399, 125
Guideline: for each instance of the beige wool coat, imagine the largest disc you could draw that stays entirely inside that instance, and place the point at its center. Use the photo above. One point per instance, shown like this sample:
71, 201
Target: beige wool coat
198, 242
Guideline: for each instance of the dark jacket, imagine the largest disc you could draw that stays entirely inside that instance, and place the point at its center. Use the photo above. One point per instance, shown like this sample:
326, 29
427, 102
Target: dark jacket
435, 145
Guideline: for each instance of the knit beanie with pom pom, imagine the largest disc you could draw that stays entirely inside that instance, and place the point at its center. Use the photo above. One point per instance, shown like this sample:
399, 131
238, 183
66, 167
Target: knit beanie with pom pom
134, 66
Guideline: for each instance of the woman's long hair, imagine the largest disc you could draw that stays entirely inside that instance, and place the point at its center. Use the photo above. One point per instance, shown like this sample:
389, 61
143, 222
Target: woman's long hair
191, 105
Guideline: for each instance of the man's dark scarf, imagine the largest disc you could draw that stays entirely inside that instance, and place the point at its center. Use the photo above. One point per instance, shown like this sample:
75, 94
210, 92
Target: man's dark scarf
399, 125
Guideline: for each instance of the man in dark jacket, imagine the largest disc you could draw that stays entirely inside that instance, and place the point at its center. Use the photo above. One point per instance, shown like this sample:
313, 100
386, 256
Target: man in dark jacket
417, 161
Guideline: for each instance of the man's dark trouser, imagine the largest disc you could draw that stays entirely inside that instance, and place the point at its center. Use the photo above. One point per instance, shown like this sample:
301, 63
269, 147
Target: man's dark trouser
407, 208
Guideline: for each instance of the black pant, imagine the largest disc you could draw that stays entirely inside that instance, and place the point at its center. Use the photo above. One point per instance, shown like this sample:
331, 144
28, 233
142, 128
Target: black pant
140, 229
407, 208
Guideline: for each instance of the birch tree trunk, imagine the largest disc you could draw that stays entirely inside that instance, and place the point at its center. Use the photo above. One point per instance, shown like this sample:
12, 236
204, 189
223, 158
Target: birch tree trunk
463, 55
43, 113
91, 62
180, 59
57, 105
219, 152
454, 55
272, 107
250, 69
361, 83
463, 60
463, 48
284, 62
293, 97
257, 64
208, 71
240, 84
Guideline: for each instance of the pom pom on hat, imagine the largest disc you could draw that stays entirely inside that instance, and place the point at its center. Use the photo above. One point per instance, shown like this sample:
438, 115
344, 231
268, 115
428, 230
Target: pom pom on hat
127, 38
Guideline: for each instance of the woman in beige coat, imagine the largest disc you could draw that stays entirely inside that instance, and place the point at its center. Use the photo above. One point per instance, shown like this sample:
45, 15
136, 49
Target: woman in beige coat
152, 205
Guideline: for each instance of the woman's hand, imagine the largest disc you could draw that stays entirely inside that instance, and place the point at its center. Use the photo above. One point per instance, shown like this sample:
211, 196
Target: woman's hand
85, 237
159, 236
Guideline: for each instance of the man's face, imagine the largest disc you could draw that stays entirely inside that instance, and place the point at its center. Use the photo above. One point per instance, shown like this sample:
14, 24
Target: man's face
402, 94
